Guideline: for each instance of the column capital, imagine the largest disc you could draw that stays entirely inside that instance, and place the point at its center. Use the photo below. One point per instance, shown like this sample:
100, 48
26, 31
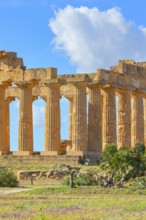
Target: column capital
122, 90
4, 84
34, 98
144, 95
44, 98
108, 87
137, 93
26, 84
9, 100
78, 83
53, 82
94, 86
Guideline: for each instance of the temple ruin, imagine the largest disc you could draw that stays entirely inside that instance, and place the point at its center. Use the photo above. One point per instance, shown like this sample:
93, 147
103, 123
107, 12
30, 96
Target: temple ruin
89, 131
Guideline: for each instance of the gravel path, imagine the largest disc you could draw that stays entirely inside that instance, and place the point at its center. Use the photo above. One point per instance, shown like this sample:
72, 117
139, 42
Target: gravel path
10, 191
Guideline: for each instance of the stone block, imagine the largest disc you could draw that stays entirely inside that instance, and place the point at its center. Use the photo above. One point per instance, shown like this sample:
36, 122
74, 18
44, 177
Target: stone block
77, 153
22, 153
51, 153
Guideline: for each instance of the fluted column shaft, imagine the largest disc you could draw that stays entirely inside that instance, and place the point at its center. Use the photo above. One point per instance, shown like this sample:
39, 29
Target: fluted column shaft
109, 117
4, 122
79, 127
52, 118
144, 103
124, 119
70, 119
94, 120
137, 123
25, 136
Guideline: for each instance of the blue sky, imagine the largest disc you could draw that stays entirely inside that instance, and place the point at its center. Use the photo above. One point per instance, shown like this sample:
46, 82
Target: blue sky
47, 33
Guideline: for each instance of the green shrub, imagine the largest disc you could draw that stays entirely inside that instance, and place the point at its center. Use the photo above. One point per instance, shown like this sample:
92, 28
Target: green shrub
81, 160
138, 182
66, 181
107, 155
139, 149
82, 179
85, 179
7, 178
124, 163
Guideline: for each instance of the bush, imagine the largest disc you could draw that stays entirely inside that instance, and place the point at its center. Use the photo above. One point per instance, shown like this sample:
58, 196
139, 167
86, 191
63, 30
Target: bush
7, 178
107, 155
125, 162
66, 181
82, 179
85, 179
81, 160
139, 149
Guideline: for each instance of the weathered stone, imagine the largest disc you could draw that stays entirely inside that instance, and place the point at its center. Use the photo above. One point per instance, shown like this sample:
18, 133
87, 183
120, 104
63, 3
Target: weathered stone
94, 119
52, 119
137, 123
109, 117
124, 118
79, 126
4, 121
54, 174
87, 135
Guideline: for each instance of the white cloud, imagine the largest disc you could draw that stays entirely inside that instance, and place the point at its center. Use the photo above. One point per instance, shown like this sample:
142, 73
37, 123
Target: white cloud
97, 39
38, 116
143, 29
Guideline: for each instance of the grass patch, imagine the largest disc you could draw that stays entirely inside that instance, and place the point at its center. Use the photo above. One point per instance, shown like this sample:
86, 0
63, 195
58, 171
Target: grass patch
61, 202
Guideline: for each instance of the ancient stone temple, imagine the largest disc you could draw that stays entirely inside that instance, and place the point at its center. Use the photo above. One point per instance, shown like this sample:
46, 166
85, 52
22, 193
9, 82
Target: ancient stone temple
116, 112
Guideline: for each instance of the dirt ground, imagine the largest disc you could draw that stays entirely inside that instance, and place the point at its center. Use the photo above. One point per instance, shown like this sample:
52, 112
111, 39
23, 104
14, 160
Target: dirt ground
25, 185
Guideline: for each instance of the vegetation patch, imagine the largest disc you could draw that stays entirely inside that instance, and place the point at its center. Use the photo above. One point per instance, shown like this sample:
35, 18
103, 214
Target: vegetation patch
7, 178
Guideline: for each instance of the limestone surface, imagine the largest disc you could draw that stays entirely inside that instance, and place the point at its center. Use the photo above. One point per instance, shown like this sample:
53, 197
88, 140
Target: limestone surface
116, 101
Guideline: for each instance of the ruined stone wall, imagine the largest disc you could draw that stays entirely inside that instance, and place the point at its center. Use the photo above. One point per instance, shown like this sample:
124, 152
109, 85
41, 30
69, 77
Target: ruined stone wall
116, 106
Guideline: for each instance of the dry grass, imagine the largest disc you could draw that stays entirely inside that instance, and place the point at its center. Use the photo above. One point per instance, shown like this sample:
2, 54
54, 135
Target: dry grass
60, 202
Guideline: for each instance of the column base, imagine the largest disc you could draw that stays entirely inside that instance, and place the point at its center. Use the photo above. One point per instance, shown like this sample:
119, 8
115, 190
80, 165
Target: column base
4, 153
76, 153
22, 153
51, 153
84, 153
94, 154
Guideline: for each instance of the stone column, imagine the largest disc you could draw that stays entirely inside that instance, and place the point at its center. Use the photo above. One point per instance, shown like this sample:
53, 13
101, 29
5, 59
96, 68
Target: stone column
137, 123
144, 103
4, 122
25, 133
52, 119
79, 126
124, 118
70, 120
94, 119
109, 117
